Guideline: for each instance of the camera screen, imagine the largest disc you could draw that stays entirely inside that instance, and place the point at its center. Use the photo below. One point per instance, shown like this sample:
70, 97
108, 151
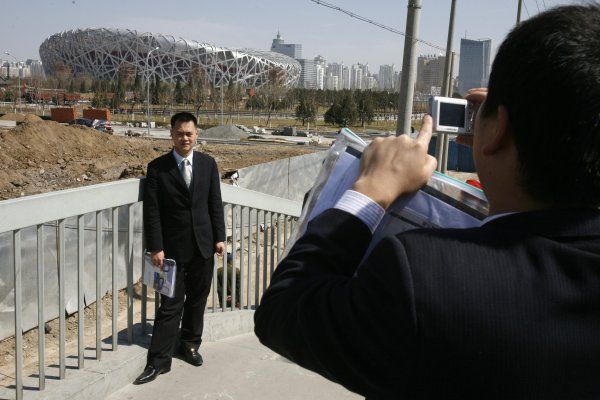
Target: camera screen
452, 115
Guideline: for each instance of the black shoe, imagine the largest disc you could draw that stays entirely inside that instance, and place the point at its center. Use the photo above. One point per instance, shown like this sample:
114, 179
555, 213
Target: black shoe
150, 373
191, 355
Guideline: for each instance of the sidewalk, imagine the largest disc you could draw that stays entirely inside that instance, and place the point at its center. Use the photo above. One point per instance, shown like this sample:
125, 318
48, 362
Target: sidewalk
237, 368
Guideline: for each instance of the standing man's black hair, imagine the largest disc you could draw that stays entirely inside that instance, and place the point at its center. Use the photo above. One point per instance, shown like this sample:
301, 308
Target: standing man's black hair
547, 75
183, 116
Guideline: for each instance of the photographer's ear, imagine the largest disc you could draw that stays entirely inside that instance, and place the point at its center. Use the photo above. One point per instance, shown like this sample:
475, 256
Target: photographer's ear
499, 137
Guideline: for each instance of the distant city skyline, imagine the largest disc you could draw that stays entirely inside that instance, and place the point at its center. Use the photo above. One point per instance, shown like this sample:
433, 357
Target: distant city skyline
319, 30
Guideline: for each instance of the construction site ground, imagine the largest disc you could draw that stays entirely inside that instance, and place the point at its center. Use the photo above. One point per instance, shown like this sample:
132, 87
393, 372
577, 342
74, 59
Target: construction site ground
43, 156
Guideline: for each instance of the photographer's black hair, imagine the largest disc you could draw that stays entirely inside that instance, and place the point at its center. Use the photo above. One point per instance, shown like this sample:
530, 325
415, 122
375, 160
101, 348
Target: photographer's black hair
547, 75
183, 117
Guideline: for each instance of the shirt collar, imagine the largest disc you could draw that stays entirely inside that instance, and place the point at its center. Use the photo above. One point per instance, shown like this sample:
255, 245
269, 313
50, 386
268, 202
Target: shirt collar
179, 159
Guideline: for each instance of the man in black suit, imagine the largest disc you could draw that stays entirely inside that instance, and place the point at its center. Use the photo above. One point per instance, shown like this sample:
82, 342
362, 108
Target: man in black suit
183, 220
508, 310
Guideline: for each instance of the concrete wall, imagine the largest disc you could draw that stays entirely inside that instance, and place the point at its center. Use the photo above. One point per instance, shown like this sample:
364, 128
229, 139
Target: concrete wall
29, 267
289, 178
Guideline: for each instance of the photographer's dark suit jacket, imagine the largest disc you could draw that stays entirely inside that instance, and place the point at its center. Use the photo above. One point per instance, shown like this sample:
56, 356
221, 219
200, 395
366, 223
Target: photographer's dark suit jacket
181, 221
510, 310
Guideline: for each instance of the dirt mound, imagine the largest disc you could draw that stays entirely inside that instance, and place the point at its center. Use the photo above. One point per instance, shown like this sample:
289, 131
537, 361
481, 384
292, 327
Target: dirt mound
32, 118
224, 132
20, 117
44, 156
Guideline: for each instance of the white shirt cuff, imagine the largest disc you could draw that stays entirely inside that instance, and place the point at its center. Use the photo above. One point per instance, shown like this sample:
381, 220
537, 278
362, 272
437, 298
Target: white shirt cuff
362, 207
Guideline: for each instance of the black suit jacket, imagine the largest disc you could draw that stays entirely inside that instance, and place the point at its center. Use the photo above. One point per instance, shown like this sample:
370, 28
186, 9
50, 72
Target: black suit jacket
179, 220
510, 310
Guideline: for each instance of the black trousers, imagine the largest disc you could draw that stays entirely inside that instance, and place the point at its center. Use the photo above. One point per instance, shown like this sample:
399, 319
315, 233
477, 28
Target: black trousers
192, 285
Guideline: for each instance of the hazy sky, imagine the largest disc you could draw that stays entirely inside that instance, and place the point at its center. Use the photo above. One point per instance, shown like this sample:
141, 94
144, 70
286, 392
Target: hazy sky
254, 23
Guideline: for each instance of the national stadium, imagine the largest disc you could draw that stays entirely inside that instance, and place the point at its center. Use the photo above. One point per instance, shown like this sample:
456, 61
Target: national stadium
101, 53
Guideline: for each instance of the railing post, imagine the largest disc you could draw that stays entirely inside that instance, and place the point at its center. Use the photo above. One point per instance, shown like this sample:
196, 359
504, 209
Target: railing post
130, 276
99, 285
234, 239
144, 310
265, 250
279, 238
115, 293
249, 279
224, 264
18, 315
257, 262
62, 324
285, 230
215, 284
242, 258
41, 321
80, 292
272, 263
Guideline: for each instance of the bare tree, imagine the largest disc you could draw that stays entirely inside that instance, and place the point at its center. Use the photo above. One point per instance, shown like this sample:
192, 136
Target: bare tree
274, 92
195, 89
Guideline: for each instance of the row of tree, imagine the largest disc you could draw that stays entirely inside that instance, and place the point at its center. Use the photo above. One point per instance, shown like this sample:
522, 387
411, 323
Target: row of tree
197, 92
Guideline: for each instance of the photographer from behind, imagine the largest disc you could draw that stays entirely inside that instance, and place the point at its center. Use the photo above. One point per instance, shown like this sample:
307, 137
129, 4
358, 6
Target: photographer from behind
508, 310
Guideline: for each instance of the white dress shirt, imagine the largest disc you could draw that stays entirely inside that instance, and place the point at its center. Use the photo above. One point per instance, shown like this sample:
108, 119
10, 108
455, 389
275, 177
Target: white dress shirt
179, 160
371, 213
362, 207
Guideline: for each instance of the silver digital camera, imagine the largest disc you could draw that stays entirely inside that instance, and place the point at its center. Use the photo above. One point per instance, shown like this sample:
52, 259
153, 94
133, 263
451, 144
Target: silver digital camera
451, 115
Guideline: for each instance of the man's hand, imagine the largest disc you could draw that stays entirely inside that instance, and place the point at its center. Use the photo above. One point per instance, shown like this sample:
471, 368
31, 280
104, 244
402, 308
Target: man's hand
158, 258
395, 166
476, 97
220, 248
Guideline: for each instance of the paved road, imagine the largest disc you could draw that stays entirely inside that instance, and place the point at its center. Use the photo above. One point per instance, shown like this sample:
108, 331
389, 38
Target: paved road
238, 368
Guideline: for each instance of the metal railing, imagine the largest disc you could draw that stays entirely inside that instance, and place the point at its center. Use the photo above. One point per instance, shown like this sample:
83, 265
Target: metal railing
258, 227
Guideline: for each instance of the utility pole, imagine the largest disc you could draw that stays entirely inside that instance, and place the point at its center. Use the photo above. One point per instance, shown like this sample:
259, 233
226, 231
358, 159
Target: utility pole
447, 83
520, 4
409, 68
441, 146
446, 141
148, 91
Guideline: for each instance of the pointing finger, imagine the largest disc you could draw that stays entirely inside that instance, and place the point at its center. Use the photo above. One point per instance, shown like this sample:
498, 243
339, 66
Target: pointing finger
426, 130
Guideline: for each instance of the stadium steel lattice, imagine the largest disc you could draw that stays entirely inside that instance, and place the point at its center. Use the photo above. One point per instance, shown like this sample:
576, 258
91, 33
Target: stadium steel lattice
102, 53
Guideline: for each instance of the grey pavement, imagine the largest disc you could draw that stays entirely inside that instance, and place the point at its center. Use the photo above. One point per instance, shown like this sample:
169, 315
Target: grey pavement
237, 368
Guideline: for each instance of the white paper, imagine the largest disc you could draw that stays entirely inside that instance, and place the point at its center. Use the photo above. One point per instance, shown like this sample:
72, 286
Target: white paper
163, 281
443, 203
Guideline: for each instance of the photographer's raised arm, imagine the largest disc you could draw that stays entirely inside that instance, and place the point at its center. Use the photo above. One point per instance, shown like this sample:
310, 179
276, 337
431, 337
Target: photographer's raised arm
325, 310
395, 166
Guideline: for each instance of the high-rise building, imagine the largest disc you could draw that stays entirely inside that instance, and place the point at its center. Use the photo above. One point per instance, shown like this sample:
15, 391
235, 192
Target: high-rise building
35, 67
320, 76
370, 83
386, 77
345, 83
474, 66
332, 82
397, 81
320, 60
289, 49
308, 76
356, 77
430, 72
335, 69
10, 69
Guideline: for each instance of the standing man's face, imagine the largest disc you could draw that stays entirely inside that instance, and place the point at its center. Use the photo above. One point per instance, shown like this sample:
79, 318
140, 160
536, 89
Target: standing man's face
184, 136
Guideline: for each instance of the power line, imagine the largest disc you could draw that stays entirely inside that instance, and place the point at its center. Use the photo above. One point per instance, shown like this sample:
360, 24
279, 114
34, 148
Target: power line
537, 5
380, 25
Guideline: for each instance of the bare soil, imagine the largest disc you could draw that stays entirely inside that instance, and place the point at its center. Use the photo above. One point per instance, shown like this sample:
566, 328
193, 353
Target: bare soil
42, 156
